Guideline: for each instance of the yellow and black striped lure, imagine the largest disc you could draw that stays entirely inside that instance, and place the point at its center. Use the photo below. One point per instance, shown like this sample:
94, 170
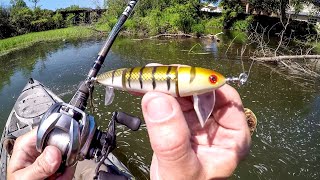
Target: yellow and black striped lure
178, 81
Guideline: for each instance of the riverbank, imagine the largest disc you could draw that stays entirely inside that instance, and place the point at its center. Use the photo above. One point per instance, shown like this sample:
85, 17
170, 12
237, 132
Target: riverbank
16, 43
10, 45
13, 44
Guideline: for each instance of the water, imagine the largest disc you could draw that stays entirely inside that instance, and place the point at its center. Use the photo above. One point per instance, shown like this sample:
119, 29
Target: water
285, 146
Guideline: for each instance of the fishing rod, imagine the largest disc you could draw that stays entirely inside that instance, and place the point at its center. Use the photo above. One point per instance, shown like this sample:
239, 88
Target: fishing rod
75, 132
80, 98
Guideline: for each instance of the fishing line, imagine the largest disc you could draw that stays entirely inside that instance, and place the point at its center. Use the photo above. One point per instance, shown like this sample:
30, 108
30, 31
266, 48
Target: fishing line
249, 72
243, 49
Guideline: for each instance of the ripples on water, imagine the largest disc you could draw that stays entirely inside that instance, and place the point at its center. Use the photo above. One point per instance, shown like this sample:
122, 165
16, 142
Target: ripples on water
285, 146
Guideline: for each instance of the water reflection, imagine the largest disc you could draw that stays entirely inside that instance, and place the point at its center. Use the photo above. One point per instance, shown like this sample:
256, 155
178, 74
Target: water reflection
286, 145
210, 45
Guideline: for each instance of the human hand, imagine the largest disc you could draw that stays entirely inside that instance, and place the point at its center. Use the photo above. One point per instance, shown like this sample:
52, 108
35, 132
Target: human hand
184, 150
27, 163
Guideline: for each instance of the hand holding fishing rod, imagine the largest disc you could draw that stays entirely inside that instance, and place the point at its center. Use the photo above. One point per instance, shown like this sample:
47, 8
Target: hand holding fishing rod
71, 130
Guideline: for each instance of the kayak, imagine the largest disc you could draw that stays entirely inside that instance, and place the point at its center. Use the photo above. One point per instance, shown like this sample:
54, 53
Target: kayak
34, 100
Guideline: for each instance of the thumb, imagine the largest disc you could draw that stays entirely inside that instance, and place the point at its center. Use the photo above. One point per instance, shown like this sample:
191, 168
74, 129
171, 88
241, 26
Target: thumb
44, 166
169, 133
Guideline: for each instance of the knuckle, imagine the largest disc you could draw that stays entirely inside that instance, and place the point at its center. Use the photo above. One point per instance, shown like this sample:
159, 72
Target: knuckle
42, 167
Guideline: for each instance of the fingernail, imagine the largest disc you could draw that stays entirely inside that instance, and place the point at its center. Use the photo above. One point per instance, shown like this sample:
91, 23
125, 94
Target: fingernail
158, 109
49, 155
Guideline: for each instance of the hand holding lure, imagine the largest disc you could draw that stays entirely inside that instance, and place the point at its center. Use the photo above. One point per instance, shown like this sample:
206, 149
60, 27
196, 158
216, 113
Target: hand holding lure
176, 80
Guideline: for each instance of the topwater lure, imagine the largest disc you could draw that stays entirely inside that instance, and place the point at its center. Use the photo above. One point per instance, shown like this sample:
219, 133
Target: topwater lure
178, 81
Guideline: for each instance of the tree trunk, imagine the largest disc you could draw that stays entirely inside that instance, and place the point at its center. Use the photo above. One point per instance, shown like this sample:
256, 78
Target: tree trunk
283, 7
280, 58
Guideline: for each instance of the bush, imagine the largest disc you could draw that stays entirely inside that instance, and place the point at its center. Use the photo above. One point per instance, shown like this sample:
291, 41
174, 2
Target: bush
131, 25
198, 29
21, 20
5, 26
214, 25
58, 20
242, 25
41, 25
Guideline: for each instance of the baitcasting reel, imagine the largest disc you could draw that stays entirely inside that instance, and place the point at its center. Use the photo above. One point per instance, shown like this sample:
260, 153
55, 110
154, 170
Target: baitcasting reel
79, 139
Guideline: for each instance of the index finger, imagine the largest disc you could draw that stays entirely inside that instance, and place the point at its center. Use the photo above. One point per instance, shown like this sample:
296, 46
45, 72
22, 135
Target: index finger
27, 141
24, 151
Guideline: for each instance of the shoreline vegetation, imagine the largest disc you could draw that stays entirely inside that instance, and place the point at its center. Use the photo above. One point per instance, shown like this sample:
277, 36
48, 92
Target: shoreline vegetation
16, 43
10, 45
149, 19
23, 27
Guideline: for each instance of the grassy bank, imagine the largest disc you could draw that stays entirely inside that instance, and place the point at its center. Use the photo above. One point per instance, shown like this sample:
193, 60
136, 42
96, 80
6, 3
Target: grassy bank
19, 42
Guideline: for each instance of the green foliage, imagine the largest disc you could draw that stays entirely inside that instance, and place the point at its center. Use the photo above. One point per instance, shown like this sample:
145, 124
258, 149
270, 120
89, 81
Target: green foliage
20, 19
115, 7
69, 20
5, 25
164, 16
58, 20
18, 4
150, 17
231, 10
39, 25
72, 7
242, 25
317, 47
43, 20
198, 29
130, 25
214, 25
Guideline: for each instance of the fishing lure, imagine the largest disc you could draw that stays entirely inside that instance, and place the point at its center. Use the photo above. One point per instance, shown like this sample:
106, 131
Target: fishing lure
178, 81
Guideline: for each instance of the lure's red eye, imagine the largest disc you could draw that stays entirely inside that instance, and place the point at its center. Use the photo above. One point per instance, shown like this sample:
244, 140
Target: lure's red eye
213, 79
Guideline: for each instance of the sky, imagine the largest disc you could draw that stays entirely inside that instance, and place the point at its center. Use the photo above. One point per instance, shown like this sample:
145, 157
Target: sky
56, 4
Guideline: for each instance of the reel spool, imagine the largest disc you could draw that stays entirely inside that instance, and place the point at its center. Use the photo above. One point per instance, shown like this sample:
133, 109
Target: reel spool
59, 128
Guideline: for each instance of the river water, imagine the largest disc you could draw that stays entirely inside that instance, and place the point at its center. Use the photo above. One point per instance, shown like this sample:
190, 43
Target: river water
286, 144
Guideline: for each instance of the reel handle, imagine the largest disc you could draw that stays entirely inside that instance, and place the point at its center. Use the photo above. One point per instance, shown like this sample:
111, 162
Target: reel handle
131, 122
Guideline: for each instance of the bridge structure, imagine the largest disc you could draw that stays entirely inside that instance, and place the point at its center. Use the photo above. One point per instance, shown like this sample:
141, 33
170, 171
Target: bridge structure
86, 16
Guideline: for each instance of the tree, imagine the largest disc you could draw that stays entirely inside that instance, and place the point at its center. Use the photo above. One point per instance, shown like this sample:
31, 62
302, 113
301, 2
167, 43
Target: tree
18, 4
280, 6
21, 19
42, 20
58, 20
5, 26
231, 11
35, 2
